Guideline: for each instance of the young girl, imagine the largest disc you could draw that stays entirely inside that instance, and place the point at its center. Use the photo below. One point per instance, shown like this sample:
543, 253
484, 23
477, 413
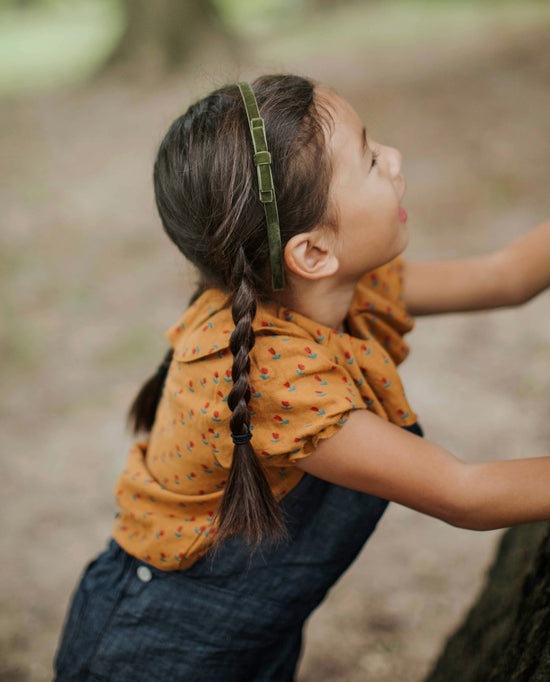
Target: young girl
278, 426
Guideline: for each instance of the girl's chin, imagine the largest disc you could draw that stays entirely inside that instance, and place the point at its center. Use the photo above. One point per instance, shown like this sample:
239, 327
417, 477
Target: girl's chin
403, 242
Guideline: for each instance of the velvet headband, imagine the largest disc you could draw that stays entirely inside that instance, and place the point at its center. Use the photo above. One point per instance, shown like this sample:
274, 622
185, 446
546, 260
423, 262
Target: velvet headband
262, 160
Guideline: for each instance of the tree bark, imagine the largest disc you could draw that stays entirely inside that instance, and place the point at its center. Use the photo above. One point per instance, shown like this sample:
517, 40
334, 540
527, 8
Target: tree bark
162, 36
506, 635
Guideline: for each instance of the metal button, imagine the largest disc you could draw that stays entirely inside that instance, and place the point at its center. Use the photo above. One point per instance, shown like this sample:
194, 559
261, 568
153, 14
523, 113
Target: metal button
144, 574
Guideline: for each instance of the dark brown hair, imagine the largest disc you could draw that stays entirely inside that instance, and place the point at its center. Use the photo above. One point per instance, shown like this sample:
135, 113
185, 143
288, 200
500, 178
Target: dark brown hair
206, 191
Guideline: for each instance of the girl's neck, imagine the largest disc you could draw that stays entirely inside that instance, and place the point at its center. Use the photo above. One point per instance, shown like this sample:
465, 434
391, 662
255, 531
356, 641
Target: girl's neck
319, 301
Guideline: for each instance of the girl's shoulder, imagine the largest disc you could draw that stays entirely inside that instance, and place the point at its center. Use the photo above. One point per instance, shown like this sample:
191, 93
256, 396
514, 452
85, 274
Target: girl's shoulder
301, 389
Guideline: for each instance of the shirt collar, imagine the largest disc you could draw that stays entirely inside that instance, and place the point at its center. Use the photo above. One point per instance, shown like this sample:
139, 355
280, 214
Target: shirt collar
206, 326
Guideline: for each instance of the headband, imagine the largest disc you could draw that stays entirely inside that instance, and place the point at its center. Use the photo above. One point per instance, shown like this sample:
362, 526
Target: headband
262, 160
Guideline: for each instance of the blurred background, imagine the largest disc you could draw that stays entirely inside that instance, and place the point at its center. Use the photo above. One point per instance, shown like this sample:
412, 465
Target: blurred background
90, 283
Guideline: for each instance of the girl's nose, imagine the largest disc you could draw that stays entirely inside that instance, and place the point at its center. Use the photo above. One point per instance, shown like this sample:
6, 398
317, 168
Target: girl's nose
395, 161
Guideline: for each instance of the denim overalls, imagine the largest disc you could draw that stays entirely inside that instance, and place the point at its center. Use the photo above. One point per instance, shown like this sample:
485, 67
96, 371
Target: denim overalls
231, 618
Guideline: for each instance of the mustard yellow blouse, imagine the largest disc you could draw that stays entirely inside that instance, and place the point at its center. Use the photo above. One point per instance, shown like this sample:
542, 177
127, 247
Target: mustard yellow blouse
305, 379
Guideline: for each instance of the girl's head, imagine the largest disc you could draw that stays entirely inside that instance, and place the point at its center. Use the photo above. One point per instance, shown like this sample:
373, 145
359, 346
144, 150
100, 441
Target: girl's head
338, 216
337, 192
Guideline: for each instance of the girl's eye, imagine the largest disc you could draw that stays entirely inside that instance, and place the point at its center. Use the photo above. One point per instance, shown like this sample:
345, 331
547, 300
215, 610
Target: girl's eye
375, 155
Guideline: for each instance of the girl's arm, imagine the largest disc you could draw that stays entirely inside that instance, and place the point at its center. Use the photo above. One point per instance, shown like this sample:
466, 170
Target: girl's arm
374, 456
508, 277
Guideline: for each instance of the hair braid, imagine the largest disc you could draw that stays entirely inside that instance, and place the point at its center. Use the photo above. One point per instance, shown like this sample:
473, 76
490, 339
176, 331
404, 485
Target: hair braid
241, 342
247, 505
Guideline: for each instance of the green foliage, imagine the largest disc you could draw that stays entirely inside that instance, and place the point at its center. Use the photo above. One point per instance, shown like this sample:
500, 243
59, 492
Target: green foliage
54, 42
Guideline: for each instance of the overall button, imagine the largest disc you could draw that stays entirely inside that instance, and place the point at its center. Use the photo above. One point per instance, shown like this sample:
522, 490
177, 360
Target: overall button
144, 574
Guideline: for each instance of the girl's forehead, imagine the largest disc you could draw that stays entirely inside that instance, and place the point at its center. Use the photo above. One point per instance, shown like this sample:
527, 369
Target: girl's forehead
341, 109
347, 128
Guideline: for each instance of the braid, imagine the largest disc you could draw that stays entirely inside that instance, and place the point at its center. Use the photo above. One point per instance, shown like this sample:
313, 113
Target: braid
248, 505
241, 342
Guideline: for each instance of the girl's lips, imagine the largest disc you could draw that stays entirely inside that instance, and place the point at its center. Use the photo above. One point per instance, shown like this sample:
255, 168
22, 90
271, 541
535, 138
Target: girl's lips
402, 214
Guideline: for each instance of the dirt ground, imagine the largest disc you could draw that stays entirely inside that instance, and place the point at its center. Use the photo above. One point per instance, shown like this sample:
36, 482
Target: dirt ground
90, 284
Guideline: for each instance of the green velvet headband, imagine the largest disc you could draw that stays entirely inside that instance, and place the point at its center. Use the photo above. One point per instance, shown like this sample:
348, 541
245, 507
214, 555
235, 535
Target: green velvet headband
262, 160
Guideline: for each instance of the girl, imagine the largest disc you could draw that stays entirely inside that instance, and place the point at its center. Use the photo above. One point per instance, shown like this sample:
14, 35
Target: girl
278, 427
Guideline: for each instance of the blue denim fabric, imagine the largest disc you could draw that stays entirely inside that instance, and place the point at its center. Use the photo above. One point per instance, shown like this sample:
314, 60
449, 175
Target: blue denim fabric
228, 618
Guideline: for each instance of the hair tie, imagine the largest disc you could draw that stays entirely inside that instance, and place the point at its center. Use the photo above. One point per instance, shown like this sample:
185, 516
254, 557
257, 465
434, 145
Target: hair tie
241, 438
262, 160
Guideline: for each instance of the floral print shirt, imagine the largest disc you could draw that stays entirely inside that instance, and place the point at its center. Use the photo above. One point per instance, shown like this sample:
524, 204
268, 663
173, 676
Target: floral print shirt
305, 379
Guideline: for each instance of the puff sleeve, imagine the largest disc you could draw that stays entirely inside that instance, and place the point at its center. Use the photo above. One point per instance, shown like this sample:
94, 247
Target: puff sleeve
300, 395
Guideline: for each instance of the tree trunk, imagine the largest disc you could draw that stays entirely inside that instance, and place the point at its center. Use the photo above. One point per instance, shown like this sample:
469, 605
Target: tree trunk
506, 635
162, 36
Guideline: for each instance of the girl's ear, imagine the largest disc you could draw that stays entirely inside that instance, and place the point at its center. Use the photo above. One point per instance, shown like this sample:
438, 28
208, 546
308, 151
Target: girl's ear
311, 255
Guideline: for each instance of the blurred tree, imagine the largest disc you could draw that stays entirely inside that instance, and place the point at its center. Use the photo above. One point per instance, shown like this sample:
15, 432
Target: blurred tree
162, 36
505, 637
